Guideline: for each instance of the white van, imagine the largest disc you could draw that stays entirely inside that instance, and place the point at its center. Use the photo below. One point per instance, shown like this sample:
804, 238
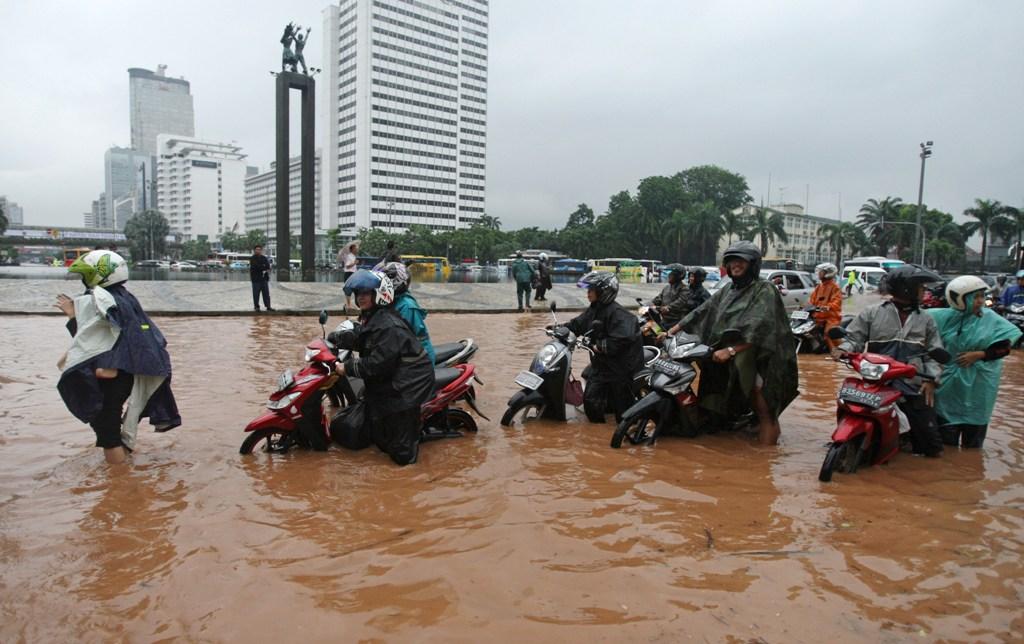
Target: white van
877, 261
869, 278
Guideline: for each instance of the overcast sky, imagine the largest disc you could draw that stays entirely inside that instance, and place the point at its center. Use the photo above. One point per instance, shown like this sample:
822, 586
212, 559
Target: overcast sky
586, 97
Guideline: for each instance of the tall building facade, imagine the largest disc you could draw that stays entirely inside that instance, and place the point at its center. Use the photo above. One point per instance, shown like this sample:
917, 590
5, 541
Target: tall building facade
123, 171
404, 113
12, 211
200, 186
158, 104
261, 205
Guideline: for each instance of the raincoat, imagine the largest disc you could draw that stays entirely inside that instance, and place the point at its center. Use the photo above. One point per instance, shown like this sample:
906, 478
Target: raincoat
967, 395
409, 310
675, 297
621, 346
111, 331
759, 315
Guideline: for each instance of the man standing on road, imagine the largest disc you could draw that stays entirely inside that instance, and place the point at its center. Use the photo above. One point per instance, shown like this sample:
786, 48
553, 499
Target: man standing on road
523, 274
259, 275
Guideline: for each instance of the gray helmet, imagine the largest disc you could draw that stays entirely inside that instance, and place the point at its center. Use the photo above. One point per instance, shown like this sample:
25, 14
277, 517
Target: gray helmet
698, 274
605, 283
669, 269
902, 281
744, 250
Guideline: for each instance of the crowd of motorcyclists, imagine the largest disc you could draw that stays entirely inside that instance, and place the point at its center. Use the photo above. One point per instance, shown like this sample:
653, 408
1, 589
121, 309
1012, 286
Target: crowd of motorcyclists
752, 372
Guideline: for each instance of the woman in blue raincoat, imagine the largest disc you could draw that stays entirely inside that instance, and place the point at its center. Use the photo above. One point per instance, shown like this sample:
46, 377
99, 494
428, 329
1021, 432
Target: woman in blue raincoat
979, 338
407, 307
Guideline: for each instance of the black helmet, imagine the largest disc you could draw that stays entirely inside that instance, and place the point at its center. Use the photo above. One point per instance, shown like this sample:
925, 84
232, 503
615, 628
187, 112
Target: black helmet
902, 281
698, 274
744, 250
605, 283
669, 269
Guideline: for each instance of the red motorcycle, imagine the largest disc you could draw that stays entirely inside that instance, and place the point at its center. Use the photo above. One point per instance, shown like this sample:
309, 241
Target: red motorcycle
869, 420
301, 410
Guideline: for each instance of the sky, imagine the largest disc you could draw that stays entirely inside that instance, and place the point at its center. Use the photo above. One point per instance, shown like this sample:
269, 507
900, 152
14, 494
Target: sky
823, 103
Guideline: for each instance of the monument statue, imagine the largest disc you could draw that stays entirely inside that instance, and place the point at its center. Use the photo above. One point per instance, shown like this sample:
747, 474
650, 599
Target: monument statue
293, 35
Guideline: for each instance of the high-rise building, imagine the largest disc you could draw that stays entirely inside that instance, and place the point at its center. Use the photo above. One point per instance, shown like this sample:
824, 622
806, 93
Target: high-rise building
200, 186
261, 200
404, 113
12, 211
99, 213
158, 105
123, 170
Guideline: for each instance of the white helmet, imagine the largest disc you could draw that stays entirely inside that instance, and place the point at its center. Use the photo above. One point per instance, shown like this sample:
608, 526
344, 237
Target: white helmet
828, 268
100, 268
543, 257
958, 290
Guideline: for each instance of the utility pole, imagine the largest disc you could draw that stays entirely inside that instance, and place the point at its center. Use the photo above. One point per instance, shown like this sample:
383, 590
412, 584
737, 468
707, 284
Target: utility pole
926, 151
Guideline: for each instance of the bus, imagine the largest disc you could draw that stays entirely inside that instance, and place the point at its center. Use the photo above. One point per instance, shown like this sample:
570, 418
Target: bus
625, 268
71, 254
427, 266
570, 266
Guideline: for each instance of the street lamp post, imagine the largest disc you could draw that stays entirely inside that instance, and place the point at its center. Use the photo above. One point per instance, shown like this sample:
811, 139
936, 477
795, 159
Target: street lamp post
391, 215
926, 151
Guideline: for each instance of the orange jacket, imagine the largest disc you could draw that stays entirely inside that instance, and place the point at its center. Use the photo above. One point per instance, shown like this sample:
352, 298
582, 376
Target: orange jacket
828, 295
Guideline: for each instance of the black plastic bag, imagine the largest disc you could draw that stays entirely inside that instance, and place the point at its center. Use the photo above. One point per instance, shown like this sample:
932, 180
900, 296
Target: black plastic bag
350, 426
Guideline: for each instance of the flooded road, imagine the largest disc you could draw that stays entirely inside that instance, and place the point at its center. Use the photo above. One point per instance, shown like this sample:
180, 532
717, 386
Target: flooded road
542, 533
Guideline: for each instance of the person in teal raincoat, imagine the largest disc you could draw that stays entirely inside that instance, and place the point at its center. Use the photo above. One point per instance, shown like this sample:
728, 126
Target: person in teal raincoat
408, 308
979, 338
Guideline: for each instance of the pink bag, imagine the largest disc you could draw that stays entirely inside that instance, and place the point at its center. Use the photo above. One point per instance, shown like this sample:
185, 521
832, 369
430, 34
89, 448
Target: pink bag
574, 392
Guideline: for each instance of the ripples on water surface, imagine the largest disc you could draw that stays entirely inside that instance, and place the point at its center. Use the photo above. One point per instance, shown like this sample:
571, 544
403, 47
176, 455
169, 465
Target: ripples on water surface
543, 533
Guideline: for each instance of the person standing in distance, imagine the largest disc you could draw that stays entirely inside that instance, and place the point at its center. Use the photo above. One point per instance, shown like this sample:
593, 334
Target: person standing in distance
259, 275
523, 274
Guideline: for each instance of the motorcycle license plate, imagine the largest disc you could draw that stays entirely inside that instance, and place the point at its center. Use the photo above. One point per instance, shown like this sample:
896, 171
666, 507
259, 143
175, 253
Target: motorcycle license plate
799, 315
856, 396
529, 380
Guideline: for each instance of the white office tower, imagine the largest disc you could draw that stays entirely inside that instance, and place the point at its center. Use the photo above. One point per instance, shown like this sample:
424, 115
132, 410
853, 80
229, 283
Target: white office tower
200, 186
261, 201
158, 105
12, 211
404, 113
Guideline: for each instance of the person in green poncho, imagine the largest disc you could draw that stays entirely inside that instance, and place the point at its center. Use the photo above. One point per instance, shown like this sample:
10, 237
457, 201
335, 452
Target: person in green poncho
979, 338
758, 370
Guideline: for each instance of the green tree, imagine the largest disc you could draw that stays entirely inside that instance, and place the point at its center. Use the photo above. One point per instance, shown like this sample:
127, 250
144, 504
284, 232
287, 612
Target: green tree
1015, 217
943, 255
733, 223
582, 217
252, 239
489, 222
726, 190
839, 237
703, 224
873, 217
988, 213
196, 249
3, 221
146, 233
656, 199
768, 227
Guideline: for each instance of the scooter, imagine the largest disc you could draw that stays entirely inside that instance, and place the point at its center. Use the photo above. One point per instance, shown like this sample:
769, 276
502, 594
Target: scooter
301, 410
549, 385
1014, 313
650, 321
807, 331
671, 403
869, 420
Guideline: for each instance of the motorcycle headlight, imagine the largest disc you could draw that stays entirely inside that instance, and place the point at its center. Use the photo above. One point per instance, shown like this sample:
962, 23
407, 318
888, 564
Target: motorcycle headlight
1017, 308
545, 358
310, 354
871, 370
803, 328
283, 401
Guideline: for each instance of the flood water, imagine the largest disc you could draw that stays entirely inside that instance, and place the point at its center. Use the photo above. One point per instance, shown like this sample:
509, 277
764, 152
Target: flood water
535, 534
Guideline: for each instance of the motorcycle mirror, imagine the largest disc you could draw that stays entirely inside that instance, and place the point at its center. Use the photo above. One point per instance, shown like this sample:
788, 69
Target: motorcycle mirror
640, 301
836, 333
553, 306
323, 317
940, 355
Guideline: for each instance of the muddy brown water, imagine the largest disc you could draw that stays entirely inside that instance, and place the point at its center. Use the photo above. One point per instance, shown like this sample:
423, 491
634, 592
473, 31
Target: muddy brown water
542, 533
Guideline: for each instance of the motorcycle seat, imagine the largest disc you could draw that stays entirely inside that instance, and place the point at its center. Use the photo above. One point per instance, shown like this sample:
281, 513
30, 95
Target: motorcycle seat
445, 376
445, 351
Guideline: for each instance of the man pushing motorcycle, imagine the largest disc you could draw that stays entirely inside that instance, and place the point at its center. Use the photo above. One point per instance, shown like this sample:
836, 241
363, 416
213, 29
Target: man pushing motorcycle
899, 329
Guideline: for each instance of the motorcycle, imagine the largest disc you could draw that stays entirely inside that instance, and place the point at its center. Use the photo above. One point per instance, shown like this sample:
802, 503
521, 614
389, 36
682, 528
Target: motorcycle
1014, 313
549, 385
650, 321
300, 412
810, 333
671, 402
869, 420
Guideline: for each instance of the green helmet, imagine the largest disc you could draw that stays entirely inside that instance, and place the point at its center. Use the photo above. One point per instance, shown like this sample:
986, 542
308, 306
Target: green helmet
100, 268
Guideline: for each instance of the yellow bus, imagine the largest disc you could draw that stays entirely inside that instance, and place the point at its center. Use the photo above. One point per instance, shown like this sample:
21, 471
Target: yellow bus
424, 266
627, 270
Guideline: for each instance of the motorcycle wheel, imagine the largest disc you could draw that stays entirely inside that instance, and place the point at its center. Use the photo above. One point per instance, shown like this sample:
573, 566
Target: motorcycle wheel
521, 412
634, 429
841, 457
278, 441
460, 421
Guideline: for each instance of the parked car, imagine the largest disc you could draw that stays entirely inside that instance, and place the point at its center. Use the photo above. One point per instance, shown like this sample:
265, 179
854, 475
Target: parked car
795, 288
153, 263
239, 265
184, 265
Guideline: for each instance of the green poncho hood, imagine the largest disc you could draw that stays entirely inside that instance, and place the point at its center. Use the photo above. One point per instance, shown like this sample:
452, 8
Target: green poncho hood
967, 395
759, 315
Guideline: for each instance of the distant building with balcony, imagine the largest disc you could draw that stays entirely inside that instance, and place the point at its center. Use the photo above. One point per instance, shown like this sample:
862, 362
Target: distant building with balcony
802, 230
200, 186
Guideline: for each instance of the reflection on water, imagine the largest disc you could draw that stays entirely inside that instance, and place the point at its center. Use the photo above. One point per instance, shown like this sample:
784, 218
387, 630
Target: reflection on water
524, 530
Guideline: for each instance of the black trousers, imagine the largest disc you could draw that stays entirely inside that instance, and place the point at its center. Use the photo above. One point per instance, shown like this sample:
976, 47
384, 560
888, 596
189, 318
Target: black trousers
261, 287
599, 398
967, 436
398, 434
107, 424
541, 290
924, 427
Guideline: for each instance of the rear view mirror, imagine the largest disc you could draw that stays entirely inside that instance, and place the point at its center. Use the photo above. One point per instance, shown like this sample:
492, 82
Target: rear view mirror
323, 317
553, 306
940, 355
836, 333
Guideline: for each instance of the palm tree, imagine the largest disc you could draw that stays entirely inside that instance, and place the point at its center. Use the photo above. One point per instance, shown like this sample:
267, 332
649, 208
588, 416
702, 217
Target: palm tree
989, 213
733, 223
703, 224
674, 228
769, 227
489, 222
839, 236
1016, 219
873, 216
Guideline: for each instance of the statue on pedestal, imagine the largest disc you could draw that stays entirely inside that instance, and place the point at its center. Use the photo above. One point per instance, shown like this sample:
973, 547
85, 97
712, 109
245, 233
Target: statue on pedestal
293, 35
